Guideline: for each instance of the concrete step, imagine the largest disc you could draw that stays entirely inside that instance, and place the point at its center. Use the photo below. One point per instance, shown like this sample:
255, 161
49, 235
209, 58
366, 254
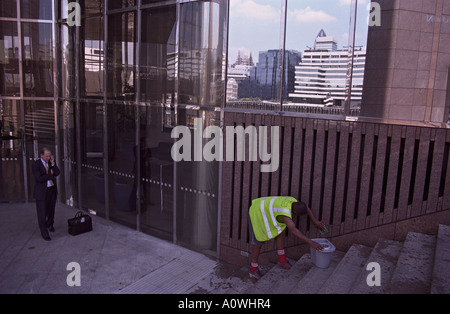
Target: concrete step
413, 272
316, 277
346, 272
418, 265
386, 254
269, 279
441, 270
296, 273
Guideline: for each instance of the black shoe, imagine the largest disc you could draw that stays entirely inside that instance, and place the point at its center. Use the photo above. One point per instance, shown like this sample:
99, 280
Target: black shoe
51, 229
47, 237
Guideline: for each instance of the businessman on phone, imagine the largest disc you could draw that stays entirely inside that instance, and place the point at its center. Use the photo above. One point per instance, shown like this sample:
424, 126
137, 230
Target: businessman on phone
45, 172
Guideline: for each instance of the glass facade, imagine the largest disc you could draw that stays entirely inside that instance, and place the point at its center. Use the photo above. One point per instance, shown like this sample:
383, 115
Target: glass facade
106, 94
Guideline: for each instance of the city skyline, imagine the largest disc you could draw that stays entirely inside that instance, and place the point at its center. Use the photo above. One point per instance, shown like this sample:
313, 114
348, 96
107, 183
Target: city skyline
255, 24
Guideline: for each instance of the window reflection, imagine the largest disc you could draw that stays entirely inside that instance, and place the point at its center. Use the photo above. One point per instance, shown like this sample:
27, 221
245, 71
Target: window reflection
92, 171
8, 8
121, 56
93, 57
201, 70
36, 9
37, 59
9, 59
92, 6
122, 163
158, 55
119, 4
11, 162
67, 83
156, 172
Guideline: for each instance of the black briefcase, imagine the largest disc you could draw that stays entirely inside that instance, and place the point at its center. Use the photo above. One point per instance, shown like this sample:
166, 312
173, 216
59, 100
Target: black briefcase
79, 224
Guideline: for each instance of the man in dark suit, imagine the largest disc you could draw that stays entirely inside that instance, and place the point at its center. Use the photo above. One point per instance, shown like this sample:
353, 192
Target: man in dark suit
45, 172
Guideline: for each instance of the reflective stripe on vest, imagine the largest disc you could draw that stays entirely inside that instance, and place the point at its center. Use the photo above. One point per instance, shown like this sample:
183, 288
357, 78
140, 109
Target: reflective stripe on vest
264, 213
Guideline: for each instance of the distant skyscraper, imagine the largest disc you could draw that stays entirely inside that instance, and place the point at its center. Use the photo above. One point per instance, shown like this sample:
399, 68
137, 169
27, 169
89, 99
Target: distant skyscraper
320, 78
324, 42
248, 61
265, 78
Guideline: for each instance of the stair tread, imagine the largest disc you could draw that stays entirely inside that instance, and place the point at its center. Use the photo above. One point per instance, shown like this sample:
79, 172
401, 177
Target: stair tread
296, 273
345, 273
441, 274
315, 277
265, 283
386, 254
414, 267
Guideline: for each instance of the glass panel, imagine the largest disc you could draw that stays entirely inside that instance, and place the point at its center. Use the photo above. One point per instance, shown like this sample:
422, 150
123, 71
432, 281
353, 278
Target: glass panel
202, 57
254, 57
36, 9
11, 154
150, 1
92, 6
197, 185
37, 59
93, 57
8, 8
122, 163
317, 83
9, 59
156, 171
158, 55
121, 56
67, 82
92, 173
39, 131
118, 4
68, 189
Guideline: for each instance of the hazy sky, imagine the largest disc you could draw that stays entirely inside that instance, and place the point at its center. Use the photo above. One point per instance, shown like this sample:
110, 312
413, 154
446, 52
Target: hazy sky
255, 24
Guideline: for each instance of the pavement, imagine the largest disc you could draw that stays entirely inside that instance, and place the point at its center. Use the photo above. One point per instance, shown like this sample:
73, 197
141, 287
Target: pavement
112, 259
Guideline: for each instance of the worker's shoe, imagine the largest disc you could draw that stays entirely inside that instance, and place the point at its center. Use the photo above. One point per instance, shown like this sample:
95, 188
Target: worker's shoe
286, 265
255, 274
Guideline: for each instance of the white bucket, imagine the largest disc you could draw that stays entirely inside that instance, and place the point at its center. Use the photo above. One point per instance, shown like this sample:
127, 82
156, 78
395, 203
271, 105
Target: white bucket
322, 258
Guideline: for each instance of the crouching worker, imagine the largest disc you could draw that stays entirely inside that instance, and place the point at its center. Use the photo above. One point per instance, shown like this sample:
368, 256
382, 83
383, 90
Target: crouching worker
269, 218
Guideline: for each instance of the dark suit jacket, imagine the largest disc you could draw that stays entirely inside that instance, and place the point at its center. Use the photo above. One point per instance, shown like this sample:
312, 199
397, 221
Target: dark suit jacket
41, 178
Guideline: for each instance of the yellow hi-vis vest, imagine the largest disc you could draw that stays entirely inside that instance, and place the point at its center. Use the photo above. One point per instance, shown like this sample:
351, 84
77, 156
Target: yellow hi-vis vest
264, 214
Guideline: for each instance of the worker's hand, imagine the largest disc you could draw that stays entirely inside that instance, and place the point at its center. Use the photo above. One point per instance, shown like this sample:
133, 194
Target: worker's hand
316, 246
320, 225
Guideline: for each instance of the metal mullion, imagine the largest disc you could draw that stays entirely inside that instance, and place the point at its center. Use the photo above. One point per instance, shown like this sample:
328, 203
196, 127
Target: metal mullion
21, 103
122, 10
351, 54
137, 120
175, 104
283, 50
36, 21
78, 116
105, 110
55, 86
